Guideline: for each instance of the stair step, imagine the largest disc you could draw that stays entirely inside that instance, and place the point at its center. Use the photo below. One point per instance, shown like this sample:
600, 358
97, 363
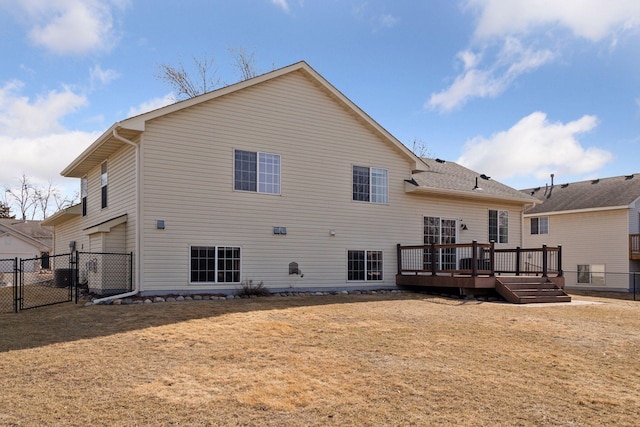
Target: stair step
538, 292
532, 299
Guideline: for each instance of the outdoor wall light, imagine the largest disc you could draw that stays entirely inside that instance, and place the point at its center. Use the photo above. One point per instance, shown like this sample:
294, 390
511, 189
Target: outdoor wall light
463, 226
332, 232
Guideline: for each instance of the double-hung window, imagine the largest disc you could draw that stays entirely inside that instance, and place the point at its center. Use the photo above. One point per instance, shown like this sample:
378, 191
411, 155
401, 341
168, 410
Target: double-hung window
540, 225
83, 194
370, 185
215, 264
498, 226
103, 184
364, 265
258, 172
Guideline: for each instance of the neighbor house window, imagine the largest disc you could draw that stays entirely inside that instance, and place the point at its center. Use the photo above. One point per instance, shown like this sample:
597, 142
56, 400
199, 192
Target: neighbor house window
83, 194
592, 274
370, 185
215, 264
259, 172
540, 225
364, 265
498, 226
103, 184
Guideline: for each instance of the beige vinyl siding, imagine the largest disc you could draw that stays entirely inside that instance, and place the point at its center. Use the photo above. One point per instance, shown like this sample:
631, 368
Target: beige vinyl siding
121, 200
188, 165
588, 238
67, 232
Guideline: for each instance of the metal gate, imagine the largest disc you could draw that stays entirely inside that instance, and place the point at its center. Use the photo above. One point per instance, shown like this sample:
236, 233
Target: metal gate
39, 286
8, 288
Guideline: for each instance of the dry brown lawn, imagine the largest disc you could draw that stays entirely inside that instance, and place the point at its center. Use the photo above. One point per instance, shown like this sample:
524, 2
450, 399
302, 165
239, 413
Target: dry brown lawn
370, 360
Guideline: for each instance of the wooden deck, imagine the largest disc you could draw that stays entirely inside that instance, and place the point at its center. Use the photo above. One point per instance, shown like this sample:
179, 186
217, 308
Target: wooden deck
475, 267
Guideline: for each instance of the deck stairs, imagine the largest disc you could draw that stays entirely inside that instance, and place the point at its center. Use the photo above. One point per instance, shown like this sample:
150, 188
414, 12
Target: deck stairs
527, 290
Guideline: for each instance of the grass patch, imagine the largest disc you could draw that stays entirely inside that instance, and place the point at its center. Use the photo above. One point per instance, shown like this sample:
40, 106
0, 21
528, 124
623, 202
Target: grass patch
356, 360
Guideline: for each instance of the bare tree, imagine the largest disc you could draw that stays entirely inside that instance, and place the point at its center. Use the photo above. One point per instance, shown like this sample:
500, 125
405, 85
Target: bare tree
203, 76
23, 196
63, 201
420, 149
189, 84
244, 62
42, 195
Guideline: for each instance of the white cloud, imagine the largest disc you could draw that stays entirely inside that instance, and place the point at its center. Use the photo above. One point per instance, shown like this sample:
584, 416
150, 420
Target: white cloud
32, 139
590, 19
535, 147
151, 104
70, 26
512, 61
519, 25
20, 116
387, 20
282, 4
98, 76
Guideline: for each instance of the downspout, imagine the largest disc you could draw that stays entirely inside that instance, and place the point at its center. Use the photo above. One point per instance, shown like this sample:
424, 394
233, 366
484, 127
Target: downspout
138, 230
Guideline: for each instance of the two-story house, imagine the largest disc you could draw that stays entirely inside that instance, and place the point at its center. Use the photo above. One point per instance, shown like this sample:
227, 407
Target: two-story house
279, 179
597, 222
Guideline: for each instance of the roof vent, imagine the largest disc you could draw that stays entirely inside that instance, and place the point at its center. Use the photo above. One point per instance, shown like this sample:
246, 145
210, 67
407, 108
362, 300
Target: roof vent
440, 161
483, 176
564, 185
535, 190
628, 176
595, 181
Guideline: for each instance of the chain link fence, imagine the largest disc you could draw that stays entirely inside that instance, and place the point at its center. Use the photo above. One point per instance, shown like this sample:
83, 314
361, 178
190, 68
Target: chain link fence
8, 289
105, 273
597, 279
45, 281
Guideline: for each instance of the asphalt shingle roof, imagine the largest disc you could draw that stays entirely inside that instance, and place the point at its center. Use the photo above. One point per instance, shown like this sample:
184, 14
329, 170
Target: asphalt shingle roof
596, 193
446, 175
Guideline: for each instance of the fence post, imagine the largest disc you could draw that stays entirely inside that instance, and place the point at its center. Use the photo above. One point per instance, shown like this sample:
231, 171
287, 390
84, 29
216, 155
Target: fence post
131, 271
398, 258
492, 258
474, 258
433, 259
544, 261
560, 273
518, 258
15, 285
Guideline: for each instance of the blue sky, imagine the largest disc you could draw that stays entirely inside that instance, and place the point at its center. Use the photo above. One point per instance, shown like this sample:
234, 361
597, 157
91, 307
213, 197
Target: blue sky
515, 89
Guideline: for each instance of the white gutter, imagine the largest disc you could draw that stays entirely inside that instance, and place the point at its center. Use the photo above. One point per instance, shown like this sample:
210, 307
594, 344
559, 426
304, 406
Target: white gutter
138, 230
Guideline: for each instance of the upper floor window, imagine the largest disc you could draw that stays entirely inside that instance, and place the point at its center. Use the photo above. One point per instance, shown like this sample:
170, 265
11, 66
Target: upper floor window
540, 225
83, 194
370, 185
255, 171
498, 226
103, 184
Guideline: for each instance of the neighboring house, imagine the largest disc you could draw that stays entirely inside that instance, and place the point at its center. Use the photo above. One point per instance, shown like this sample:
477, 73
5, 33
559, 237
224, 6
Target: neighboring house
26, 240
279, 179
595, 221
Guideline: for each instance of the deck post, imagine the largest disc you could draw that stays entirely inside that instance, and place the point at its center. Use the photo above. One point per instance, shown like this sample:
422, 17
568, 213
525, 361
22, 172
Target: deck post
560, 274
474, 258
433, 259
492, 258
544, 261
399, 258
518, 255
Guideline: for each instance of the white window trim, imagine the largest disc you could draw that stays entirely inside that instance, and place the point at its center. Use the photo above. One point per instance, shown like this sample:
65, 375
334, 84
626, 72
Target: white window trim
216, 264
258, 170
497, 241
366, 251
602, 272
371, 193
539, 218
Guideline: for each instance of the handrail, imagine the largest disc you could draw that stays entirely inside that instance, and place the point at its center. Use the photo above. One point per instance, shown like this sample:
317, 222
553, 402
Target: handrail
474, 259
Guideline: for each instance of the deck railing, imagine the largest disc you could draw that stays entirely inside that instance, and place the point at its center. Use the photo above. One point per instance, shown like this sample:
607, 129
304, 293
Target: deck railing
634, 246
478, 259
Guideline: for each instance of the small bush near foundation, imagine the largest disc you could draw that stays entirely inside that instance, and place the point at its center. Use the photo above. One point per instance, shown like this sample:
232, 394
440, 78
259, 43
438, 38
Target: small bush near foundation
248, 288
